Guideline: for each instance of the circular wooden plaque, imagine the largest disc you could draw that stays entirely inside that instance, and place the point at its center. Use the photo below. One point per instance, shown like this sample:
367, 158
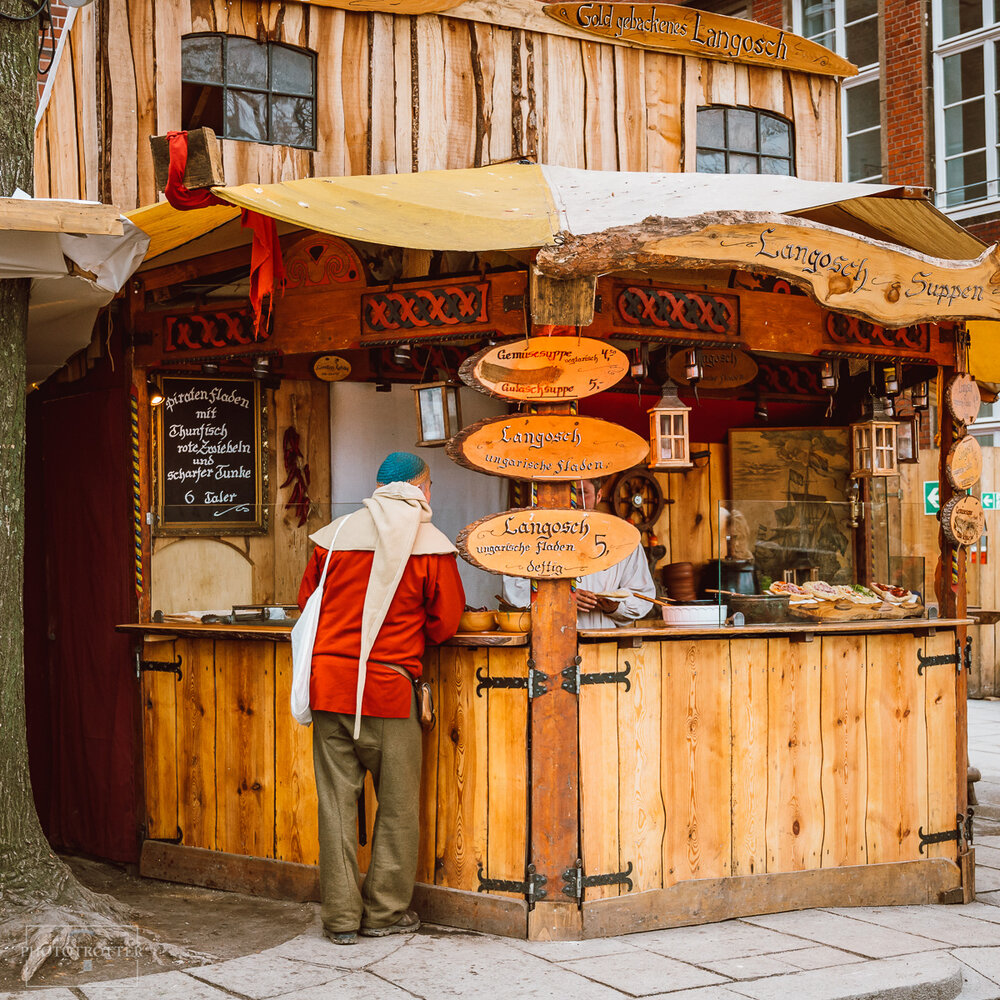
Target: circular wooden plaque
331, 368
963, 520
725, 368
964, 464
962, 399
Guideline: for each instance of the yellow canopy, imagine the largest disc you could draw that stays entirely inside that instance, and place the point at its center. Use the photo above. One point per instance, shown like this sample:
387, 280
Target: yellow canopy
984, 349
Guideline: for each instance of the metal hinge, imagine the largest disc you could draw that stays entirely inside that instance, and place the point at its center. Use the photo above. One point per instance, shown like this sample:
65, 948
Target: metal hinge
574, 881
164, 666
962, 831
513, 303
573, 679
162, 840
956, 659
532, 888
536, 682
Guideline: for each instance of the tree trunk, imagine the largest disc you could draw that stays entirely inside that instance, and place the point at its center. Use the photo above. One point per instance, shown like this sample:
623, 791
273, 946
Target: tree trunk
26, 861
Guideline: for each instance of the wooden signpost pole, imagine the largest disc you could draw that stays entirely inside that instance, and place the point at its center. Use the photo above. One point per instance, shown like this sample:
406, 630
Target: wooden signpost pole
554, 757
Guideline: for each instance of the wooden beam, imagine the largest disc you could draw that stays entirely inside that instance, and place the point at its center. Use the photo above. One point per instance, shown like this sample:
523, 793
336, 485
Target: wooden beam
876, 281
30, 216
204, 162
562, 302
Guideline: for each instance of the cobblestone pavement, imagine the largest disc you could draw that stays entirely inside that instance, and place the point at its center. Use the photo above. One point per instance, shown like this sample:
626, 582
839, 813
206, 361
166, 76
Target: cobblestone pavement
912, 952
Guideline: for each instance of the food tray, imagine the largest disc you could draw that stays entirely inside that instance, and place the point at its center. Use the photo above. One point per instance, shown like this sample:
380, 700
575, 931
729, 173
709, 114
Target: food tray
845, 611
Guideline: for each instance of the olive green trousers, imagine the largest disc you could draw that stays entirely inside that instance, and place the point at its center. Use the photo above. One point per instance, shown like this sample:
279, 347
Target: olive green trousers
391, 750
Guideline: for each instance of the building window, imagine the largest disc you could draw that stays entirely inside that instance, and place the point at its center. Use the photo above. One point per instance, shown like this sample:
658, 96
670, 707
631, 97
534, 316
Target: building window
966, 84
245, 90
744, 141
850, 28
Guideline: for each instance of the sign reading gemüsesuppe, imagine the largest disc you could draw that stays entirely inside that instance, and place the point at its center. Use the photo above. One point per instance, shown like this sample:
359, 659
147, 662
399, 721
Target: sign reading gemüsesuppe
553, 447
544, 544
545, 369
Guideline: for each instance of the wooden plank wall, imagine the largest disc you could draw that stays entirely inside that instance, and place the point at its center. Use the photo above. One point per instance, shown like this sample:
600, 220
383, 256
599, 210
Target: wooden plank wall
276, 560
443, 92
226, 764
761, 755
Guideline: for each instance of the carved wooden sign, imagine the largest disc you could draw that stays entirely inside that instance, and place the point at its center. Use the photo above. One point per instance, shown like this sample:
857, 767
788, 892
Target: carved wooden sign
545, 544
877, 281
693, 32
331, 368
725, 368
963, 520
545, 369
964, 463
553, 447
962, 399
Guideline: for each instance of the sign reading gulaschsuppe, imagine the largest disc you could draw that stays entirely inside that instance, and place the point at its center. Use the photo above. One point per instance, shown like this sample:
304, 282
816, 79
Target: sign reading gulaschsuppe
545, 369
553, 447
545, 544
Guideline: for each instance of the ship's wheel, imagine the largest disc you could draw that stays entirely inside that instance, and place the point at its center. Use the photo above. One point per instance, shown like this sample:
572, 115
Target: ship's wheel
638, 499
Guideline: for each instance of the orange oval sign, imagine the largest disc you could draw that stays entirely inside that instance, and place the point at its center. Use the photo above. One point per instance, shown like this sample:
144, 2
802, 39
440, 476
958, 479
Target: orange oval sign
331, 368
545, 369
547, 544
725, 368
554, 447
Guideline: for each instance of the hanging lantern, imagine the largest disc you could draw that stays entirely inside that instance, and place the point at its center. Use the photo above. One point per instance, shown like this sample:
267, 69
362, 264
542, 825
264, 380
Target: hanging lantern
694, 371
919, 396
874, 448
669, 444
890, 376
828, 377
439, 413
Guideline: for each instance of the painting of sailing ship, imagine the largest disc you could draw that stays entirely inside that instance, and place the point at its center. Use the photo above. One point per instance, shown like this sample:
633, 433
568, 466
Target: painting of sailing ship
790, 484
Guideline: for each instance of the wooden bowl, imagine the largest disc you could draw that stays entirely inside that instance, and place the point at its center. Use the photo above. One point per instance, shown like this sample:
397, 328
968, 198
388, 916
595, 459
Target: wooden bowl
477, 621
514, 621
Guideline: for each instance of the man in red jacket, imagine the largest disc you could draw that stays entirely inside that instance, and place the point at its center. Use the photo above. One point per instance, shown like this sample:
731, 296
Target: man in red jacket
392, 585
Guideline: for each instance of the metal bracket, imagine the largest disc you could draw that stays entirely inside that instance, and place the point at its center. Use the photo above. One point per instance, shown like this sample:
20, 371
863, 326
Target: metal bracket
956, 659
513, 303
532, 888
536, 682
163, 840
574, 881
962, 829
163, 666
573, 679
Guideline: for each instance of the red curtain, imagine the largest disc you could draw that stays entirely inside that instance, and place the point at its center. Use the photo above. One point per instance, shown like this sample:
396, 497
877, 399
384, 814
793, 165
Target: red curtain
82, 696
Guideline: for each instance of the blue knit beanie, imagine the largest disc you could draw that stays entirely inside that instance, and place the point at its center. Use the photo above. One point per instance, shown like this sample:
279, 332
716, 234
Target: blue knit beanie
402, 467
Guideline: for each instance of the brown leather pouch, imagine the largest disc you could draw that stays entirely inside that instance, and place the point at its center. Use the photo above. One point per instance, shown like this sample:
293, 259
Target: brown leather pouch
424, 695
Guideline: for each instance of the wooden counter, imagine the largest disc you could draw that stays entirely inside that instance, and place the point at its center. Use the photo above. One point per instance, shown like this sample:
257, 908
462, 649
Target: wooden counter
739, 771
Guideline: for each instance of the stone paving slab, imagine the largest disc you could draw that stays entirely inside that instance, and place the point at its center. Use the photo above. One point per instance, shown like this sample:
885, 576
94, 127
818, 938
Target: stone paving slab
355, 986
846, 933
913, 977
261, 976
158, 986
820, 957
752, 967
642, 974
564, 951
58, 993
985, 961
313, 947
474, 967
717, 942
946, 924
977, 987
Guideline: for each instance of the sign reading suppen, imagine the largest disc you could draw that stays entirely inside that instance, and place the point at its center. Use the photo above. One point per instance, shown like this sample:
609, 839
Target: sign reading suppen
546, 369
553, 447
545, 544
209, 437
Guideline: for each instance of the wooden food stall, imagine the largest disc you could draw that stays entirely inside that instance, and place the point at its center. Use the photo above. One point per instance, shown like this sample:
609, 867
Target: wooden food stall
578, 783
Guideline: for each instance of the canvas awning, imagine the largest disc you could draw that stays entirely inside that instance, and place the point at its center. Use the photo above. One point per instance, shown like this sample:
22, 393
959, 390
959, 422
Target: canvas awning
519, 206
78, 255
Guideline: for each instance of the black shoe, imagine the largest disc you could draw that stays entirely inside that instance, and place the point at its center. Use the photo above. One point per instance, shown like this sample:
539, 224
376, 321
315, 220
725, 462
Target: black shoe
406, 924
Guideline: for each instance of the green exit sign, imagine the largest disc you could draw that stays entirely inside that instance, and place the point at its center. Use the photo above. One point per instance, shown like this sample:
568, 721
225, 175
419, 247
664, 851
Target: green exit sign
991, 501
932, 497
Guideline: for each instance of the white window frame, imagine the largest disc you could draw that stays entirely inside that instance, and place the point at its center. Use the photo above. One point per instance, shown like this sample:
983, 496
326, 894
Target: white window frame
943, 48
868, 74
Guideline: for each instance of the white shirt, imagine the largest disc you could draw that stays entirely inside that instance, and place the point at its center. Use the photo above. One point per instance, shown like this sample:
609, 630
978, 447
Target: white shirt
632, 573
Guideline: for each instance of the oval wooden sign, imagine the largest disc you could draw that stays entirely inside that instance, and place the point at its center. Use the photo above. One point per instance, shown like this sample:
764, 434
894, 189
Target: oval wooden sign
962, 399
963, 520
964, 464
547, 544
331, 368
725, 368
545, 369
555, 447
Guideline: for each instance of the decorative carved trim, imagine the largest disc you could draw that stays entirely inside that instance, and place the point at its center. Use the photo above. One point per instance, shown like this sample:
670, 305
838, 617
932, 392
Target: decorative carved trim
441, 306
786, 378
319, 259
677, 309
844, 331
210, 330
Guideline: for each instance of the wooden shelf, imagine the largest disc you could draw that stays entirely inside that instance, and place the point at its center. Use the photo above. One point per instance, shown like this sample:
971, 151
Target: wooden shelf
797, 629
283, 633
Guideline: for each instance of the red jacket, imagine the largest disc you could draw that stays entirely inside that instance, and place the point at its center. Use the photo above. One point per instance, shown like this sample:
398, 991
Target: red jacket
426, 607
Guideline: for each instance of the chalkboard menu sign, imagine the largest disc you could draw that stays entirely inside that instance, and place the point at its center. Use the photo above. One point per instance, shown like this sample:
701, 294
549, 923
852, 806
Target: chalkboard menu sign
210, 463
